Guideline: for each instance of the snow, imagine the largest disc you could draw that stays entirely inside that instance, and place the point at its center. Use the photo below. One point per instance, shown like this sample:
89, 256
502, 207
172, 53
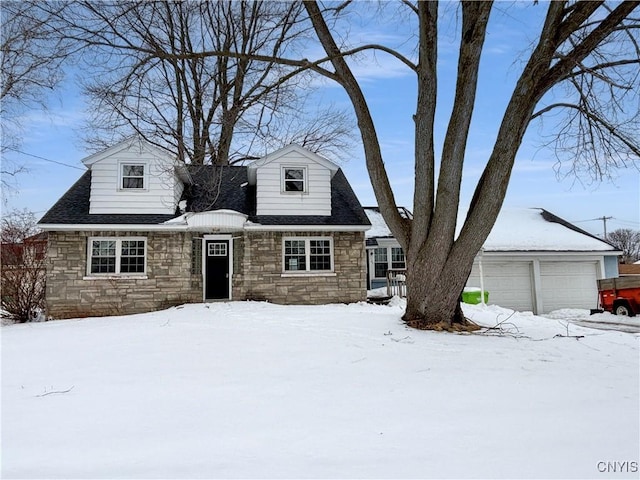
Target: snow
604, 320
518, 229
472, 289
525, 229
250, 389
379, 227
380, 292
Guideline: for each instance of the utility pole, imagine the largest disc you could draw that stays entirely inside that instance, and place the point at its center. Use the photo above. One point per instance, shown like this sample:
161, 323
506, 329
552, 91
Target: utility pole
604, 221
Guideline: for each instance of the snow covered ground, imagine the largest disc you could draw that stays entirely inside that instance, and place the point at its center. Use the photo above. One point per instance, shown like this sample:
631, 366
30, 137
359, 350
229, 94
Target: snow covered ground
248, 389
603, 321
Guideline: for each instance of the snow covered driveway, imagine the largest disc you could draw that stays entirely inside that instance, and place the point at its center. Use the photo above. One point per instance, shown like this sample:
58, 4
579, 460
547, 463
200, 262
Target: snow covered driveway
601, 321
253, 390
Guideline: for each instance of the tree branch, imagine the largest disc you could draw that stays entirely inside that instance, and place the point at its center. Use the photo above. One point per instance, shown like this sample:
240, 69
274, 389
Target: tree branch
475, 17
373, 155
581, 50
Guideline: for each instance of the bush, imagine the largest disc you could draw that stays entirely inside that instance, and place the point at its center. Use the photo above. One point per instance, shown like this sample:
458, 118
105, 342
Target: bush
23, 272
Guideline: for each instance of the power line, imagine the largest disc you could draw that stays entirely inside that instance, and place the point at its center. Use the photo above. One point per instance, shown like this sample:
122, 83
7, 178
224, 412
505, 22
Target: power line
604, 221
45, 159
628, 222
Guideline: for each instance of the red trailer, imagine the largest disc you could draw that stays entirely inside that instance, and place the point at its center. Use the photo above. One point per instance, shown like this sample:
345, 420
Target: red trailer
621, 295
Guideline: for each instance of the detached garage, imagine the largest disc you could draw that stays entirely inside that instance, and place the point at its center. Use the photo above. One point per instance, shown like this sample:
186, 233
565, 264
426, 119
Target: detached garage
535, 261
509, 283
532, 261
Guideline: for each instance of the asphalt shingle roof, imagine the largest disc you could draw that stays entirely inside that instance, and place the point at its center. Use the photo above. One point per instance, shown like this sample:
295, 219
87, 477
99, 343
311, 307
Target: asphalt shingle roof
73, 208
213, 188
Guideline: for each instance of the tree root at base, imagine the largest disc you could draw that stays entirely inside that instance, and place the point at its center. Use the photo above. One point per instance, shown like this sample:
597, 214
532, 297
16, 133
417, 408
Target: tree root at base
465, 326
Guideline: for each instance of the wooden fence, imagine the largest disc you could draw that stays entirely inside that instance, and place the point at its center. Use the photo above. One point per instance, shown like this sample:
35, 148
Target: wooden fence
397, 282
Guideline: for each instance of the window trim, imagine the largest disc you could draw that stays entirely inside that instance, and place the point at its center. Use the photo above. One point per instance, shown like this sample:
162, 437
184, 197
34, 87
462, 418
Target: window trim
117, 273
390, 262
307, 252
121, 176
404, 258
386, 261
283, 180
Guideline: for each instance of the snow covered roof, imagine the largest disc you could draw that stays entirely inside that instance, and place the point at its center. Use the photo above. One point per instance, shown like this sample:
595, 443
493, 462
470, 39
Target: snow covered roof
379, 227
535, 229
521, 229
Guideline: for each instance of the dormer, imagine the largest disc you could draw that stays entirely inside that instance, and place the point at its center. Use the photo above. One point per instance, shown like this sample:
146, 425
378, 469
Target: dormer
292, 181
134, 177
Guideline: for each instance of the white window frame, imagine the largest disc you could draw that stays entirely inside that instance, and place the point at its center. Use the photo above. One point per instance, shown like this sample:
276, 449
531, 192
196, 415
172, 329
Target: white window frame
389, 253
118, 257
391, 260
284, 181
307, 252
121, 176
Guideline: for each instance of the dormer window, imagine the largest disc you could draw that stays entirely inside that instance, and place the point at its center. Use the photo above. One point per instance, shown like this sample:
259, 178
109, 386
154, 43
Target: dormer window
132, 176
294, 179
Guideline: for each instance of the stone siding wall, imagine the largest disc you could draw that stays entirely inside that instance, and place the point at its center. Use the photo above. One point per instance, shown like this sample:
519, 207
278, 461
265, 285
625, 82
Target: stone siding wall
257, 274
71, 292
260, 274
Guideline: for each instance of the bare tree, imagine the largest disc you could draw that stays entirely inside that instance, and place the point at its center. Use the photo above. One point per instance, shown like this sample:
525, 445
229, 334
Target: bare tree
628, 241
149, 75
587, 47
22, 269
32, 56
575, 47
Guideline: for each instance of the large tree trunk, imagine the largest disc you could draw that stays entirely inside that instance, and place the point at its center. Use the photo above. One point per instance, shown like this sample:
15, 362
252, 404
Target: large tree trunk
439, 256
434, 289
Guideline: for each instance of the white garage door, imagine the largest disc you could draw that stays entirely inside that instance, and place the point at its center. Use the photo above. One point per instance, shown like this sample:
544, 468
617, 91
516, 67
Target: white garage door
509, 284
568, 285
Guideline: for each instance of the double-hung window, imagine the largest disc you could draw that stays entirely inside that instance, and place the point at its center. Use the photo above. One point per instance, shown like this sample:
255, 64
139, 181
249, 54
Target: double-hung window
132, 176
381, 262
397, 258
387, 258
117, 256
308, 254
294, 179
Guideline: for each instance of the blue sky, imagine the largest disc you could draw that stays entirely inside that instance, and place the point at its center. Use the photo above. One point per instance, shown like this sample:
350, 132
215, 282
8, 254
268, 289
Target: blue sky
55, 135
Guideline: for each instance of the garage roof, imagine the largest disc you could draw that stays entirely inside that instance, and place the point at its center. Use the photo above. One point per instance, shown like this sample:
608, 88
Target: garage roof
535, 229
521, 229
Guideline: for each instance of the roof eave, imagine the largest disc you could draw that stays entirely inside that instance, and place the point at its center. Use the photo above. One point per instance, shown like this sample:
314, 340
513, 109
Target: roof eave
114, 227
177, 227
306, 228
490, 251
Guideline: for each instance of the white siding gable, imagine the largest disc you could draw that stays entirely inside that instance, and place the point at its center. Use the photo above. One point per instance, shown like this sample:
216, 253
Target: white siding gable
292, 181
160, 187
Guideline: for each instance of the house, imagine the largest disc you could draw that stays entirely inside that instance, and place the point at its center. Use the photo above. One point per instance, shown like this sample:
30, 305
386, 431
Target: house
28, 251
22, 276
139, 232
531, 261
384, 253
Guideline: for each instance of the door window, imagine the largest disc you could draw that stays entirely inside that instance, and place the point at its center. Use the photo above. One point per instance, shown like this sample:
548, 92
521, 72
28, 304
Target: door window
217, 249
